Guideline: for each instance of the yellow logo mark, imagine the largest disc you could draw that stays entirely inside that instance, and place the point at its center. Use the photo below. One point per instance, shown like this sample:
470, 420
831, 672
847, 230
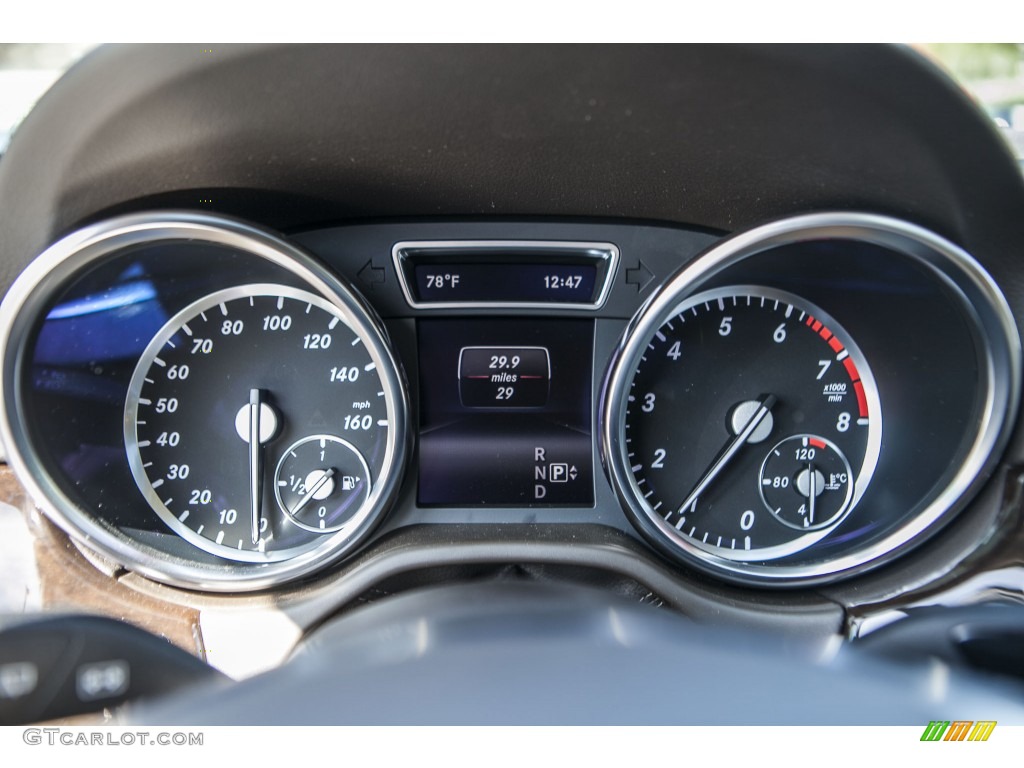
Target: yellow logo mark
982, 730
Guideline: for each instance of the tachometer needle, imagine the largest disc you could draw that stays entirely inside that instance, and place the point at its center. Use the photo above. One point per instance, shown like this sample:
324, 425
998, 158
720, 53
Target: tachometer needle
308, 495
255, 468
764, 407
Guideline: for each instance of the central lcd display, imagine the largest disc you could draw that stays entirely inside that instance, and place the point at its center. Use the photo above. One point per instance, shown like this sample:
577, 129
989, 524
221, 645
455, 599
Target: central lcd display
505, 412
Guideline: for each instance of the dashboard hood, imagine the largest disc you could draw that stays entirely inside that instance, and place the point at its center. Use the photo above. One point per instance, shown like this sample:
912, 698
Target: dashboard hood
719, 136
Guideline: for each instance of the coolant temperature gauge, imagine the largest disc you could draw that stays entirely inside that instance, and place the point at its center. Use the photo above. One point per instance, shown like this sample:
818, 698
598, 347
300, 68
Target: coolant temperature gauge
321, 481
806, 482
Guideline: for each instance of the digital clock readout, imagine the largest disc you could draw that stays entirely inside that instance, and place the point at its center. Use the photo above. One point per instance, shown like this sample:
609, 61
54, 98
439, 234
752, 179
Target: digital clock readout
568, 282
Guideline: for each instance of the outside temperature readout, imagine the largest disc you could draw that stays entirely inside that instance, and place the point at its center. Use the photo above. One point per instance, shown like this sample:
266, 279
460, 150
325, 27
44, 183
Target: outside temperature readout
441, 281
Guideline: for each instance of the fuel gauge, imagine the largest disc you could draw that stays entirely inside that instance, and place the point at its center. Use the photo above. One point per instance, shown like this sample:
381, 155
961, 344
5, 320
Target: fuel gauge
321, 481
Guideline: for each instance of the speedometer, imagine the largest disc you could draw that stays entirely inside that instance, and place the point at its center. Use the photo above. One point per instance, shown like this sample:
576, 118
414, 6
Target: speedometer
248, 378
241, 419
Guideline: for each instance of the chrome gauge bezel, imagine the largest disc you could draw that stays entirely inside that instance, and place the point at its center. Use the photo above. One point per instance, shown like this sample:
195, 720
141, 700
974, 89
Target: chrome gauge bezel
982, 305
59, 265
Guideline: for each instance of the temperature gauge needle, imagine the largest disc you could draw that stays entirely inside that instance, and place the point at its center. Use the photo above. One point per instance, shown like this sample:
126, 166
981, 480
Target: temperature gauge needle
812, 492
308, 496
763, 408
255, 468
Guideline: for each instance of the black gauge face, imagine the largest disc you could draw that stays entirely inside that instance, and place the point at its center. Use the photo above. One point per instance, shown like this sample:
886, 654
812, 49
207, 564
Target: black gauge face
244, 382
752, 426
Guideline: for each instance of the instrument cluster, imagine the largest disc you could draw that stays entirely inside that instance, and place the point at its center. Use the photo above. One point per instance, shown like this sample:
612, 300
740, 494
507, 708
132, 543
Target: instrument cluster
221, 408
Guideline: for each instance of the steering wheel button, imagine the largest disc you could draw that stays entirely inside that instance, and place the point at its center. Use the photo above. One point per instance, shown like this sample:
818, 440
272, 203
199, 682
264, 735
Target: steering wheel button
18, 680
102, 680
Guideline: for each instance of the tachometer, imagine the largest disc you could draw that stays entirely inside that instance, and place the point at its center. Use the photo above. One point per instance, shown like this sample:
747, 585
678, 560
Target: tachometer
745, 432
752, 425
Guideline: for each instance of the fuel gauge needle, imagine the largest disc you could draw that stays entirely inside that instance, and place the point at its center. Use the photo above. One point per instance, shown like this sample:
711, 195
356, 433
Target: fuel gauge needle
308, 496
764, 407
255, 463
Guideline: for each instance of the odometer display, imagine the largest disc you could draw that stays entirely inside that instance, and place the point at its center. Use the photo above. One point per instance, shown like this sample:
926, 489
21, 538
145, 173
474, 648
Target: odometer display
751, 427
238, 384
504, 377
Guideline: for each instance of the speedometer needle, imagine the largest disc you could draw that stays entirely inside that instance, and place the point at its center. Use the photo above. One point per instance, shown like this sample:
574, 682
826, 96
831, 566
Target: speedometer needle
764, 407
255, 470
